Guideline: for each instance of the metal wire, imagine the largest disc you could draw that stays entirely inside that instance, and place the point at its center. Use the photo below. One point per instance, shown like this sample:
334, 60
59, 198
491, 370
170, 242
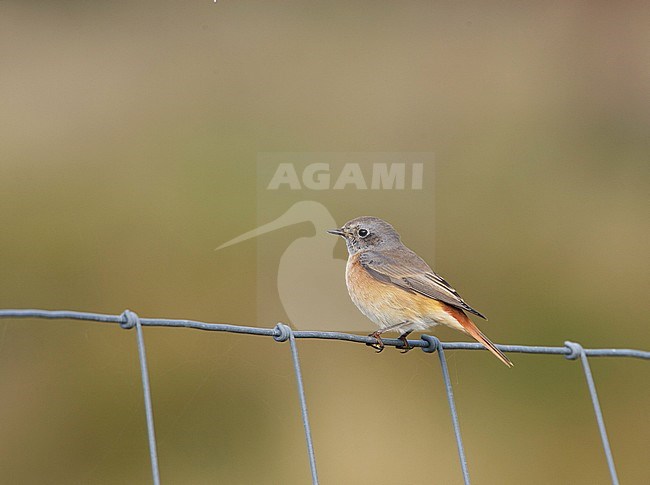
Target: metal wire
287, 333
271, 332
132, 320
282, 333
434, 344
578, 351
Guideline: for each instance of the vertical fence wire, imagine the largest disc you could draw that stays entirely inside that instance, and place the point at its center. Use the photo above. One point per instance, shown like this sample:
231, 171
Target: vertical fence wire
285, 333
132, 320
434, 344
578, 351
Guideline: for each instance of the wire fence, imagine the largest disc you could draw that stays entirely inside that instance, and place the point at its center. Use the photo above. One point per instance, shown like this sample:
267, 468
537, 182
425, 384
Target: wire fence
283, 333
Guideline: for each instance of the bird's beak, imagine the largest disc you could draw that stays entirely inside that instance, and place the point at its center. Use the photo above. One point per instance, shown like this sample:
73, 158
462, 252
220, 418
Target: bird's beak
336, 232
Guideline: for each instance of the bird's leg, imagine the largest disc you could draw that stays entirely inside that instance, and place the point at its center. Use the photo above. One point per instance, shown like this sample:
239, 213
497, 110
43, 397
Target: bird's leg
406, 347
379, 344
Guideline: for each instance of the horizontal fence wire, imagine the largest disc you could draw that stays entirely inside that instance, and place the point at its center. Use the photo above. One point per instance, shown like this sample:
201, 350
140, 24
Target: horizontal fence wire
309, 334
282, 333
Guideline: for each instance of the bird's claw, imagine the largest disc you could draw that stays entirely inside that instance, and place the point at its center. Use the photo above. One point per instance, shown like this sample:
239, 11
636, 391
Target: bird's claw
405, 344
378, 345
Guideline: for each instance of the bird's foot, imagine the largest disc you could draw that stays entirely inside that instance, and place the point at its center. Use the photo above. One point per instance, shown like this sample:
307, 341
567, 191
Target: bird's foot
405, 344
379, 344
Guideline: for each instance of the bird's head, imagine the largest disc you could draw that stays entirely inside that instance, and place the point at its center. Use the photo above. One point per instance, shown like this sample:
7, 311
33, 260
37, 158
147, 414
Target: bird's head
367, 232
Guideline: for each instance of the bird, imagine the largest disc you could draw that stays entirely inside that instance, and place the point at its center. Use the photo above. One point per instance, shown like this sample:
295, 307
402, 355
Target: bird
397, 290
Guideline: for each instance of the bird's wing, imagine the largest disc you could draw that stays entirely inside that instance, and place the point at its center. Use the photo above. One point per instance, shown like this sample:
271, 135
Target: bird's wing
414, 275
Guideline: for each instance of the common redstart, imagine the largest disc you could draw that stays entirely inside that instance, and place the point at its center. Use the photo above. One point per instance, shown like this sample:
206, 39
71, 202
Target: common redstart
396, 288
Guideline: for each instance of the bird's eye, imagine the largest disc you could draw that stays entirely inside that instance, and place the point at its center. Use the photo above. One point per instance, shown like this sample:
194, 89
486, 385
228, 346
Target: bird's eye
363, 232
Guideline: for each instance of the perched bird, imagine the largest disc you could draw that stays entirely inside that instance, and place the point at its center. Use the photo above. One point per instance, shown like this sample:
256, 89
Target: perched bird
397, 290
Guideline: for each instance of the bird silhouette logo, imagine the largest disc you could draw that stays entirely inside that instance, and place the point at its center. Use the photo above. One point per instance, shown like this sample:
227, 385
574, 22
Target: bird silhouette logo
309, 283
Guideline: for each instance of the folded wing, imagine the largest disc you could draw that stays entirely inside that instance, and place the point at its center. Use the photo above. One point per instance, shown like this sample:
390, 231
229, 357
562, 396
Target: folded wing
405, 269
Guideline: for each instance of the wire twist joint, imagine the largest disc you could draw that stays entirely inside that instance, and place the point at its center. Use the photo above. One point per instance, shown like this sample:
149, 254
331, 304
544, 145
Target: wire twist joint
283, 332
128, 319
576, 350
433, 343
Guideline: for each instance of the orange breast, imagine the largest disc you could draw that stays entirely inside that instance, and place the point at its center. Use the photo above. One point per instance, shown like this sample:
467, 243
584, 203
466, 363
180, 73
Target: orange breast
387, 304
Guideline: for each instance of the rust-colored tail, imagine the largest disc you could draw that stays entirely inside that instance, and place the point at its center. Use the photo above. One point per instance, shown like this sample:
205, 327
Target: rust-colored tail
473, 330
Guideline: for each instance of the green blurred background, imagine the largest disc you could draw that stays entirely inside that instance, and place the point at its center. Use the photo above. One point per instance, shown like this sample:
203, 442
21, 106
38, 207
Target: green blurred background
128, 139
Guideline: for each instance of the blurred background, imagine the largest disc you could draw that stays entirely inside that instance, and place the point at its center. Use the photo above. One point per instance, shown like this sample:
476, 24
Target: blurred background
128, 139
